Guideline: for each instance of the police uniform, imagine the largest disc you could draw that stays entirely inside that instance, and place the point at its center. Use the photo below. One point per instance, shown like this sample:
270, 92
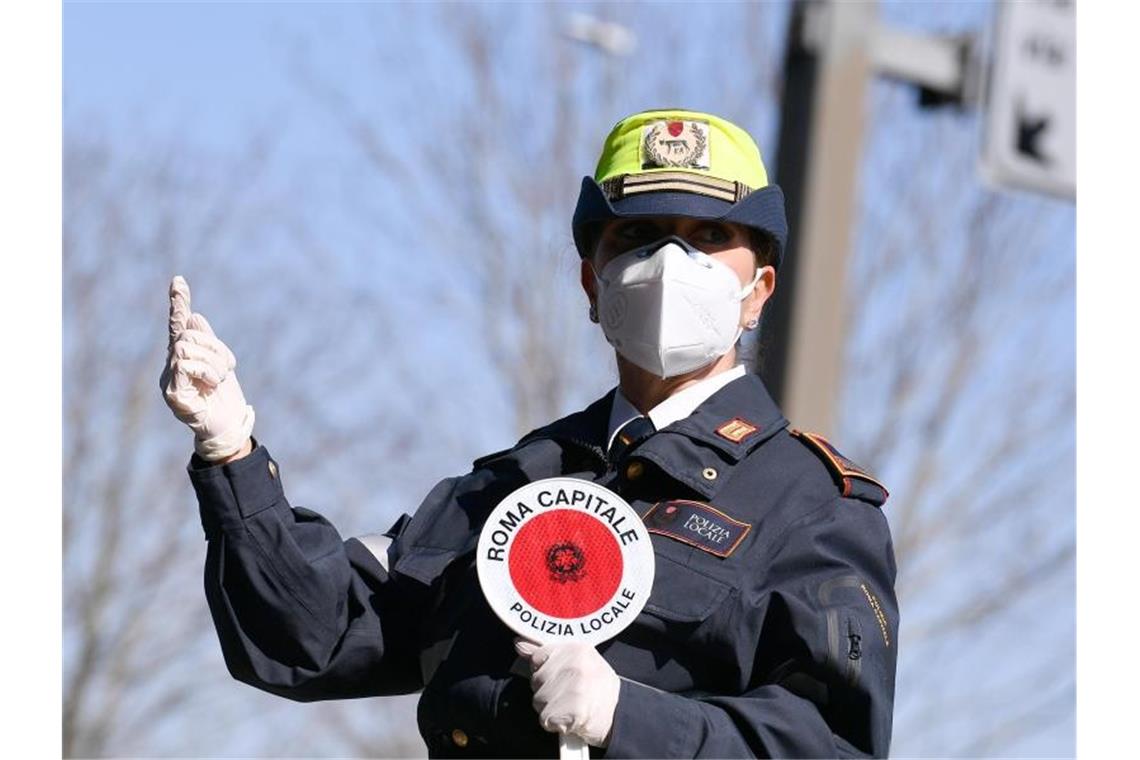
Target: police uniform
771, 629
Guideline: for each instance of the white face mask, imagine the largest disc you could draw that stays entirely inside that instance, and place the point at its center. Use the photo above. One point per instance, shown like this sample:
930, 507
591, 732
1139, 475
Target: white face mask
669, 308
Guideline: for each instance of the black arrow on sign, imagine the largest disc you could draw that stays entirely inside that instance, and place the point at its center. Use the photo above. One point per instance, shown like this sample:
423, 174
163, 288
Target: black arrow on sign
1029, 131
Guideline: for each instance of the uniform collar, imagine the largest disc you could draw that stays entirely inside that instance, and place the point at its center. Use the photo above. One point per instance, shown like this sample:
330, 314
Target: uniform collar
702, 449
731, 422
726, 420
677, 407
585, 429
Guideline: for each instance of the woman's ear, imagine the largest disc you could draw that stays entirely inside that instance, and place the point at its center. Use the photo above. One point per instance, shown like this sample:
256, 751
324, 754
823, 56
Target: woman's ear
763, 289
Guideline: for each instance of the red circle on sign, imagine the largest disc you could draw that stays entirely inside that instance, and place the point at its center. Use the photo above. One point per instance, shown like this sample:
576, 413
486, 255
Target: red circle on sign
565, 563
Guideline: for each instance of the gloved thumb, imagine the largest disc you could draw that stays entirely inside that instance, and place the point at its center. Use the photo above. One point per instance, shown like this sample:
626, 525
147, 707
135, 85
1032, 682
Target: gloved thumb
525, 648
179, 306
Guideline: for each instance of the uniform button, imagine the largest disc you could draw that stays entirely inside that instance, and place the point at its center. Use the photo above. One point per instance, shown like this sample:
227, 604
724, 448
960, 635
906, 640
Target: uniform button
708, 473
272, 469
459, 738
634, 470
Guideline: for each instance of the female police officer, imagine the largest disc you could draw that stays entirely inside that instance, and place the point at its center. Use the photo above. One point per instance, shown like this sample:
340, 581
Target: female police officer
771, 627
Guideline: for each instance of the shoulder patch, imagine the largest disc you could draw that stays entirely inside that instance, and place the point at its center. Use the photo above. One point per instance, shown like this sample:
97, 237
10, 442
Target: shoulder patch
850, 477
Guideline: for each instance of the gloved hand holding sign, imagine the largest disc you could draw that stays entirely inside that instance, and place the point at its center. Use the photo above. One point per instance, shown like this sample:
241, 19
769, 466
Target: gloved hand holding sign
199, 384
575, 689
567, 564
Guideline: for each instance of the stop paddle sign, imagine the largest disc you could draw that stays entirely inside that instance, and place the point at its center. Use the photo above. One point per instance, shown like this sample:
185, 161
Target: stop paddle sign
563, 559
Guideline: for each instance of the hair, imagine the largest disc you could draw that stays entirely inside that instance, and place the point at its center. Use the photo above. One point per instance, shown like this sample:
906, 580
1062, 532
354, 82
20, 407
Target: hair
763, 247
591, 235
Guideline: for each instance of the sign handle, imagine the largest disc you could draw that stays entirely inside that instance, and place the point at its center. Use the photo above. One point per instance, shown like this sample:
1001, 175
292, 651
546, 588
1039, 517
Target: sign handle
572, 747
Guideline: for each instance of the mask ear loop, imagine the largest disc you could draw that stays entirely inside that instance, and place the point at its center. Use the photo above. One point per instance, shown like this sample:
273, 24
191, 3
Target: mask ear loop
747, 289
600, 284
597, 275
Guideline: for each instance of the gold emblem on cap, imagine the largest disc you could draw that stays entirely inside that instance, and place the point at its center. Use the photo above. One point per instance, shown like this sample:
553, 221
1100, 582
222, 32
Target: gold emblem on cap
675, 143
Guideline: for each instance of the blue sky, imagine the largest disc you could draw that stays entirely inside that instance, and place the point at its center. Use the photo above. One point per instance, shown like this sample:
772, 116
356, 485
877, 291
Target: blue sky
150, 66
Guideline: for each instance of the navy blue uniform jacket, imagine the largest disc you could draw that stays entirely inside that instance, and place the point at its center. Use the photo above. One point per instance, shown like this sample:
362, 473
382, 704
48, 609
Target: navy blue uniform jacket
784, 646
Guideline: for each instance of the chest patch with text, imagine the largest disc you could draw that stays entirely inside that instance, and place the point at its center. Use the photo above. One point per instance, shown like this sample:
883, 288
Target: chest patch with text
697, 524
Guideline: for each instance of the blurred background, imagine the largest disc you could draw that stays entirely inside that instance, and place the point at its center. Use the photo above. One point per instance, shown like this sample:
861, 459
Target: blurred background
371, 204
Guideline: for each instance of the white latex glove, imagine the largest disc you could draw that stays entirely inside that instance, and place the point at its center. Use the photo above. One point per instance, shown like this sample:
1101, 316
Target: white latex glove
199, 383
575, 689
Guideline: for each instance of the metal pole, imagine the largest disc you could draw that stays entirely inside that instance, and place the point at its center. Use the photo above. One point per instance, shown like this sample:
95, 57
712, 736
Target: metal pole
820, 142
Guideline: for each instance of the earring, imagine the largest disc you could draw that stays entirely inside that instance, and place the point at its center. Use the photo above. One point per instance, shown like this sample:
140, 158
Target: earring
593, 313
752, 324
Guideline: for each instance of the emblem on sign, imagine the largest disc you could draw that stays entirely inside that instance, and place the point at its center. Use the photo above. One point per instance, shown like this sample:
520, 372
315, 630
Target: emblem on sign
679, 144
565, 559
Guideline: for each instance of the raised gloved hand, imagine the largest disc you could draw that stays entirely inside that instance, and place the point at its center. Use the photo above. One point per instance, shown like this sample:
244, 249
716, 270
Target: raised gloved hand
199, 383
575, 689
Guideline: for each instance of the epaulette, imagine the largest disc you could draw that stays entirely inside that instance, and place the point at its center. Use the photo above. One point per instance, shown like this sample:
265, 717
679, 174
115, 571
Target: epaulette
486, 459
850, 477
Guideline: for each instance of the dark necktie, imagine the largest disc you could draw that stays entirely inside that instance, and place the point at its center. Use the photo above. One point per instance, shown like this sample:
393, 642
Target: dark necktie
629, 436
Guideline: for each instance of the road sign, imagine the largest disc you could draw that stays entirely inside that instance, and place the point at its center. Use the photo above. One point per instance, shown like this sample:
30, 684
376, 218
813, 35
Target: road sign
1031, 107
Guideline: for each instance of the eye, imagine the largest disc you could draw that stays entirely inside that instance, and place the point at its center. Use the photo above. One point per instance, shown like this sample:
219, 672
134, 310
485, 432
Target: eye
631, 232
712, 234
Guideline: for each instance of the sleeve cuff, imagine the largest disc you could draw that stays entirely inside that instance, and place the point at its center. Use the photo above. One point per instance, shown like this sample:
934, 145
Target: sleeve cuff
652, 723
230, 493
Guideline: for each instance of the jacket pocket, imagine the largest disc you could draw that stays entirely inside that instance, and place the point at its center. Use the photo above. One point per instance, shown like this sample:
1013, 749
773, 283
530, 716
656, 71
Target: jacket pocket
682, 594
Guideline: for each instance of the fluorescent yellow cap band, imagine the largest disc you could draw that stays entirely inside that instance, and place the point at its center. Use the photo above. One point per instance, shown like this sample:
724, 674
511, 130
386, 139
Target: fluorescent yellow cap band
681, 141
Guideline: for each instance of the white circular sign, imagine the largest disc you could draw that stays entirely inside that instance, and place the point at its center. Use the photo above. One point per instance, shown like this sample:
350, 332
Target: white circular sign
563, 559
